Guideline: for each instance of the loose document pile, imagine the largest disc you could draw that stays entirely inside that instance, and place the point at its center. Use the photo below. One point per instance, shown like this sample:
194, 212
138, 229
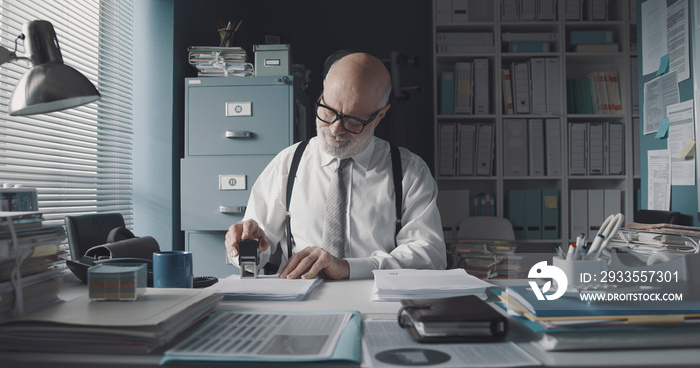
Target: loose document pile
29, 278
395, 285
134, 327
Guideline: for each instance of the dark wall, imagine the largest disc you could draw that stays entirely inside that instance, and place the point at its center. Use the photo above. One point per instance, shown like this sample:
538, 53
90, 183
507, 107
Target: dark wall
315, 29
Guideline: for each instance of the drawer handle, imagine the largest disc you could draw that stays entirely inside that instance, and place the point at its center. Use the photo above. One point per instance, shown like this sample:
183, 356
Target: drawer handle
238, 134
233, 210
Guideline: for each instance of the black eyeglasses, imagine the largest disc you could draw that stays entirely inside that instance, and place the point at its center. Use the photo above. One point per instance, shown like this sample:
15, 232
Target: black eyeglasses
350, 123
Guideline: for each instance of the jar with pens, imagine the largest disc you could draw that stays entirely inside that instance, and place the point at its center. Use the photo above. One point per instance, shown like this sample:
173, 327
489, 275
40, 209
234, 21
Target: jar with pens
227, 34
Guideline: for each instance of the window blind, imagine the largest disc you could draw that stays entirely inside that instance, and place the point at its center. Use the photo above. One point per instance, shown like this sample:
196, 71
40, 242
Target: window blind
80, 160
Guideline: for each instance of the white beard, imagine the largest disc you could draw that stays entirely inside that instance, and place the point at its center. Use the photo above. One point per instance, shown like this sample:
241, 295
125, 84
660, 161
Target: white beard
349, 150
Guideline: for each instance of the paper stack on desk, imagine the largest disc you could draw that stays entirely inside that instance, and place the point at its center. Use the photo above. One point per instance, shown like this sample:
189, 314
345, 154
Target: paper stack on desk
133, 327
264, 287
570, 323
394, 285
29, 278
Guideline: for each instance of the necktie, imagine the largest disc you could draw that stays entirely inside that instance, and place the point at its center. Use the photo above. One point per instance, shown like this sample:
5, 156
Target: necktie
334, 217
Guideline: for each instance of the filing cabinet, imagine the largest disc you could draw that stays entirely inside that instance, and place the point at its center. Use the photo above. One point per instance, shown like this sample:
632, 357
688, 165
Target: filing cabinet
233, 128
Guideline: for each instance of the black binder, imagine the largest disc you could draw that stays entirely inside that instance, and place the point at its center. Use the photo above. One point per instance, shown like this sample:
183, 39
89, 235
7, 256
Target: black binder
457, 319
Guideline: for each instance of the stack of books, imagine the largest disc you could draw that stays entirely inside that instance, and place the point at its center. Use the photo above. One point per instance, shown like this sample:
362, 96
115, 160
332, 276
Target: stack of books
574, 322
488, 259
220, 61
29, 275
598, 93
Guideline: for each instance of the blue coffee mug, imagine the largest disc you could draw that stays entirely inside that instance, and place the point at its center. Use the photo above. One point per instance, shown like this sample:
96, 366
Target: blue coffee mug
172, 269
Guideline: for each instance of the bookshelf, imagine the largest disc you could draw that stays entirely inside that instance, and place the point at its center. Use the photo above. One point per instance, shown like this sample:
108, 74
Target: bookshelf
526, 131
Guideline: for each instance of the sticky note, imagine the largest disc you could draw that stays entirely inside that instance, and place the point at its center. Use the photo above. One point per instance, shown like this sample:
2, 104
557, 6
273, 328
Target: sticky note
550, 202
688, 150
663, 128
663, 65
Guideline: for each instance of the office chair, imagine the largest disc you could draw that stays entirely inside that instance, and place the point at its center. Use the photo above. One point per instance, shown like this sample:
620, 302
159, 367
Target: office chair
486, 228
86, 231
662, 217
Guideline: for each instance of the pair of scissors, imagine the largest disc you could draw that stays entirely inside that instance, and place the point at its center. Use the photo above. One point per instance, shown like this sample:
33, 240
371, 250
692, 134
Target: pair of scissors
606, 232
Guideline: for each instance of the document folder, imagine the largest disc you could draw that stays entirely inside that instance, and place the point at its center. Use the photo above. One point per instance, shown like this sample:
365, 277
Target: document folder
516, 211
550, 214
533, 214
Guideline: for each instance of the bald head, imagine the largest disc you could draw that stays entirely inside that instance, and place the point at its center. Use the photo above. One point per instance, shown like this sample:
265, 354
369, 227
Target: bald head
361, 77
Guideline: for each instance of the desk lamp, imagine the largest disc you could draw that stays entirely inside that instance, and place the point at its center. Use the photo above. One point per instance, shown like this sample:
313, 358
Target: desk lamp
49, 85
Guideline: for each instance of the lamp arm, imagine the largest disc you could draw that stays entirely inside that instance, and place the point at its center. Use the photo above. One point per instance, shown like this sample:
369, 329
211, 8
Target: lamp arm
6, 55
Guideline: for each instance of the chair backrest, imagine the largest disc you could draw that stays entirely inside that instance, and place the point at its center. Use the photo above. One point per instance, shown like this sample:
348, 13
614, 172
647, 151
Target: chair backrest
662, 217
86, 231
486, 228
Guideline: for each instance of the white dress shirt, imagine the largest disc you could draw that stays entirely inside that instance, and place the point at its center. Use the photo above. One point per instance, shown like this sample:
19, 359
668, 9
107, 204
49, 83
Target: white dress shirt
372, 212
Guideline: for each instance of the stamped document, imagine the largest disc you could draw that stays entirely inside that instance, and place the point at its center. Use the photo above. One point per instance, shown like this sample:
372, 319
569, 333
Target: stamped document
265, 337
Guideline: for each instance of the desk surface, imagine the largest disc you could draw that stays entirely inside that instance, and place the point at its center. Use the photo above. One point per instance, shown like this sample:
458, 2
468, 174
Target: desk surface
348, 295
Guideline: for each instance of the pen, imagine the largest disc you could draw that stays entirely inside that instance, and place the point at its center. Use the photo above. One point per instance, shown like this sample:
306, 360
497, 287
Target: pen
610, 232
571, 252
613, 222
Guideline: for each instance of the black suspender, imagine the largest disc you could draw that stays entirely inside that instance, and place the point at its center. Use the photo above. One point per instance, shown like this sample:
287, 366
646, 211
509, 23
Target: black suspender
396, 175
290, 185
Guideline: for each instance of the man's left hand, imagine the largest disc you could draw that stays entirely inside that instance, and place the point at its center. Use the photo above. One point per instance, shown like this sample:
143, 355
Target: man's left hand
313, 261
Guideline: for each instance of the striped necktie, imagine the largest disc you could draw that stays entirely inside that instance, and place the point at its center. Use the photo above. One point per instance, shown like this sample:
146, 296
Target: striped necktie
333, 239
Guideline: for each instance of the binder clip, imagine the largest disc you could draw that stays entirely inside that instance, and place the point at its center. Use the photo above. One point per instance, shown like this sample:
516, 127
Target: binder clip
248, 258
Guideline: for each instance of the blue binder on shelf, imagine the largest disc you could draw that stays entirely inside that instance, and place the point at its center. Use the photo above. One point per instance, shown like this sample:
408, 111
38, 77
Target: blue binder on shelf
550, 214
516, 211
447, 93
533, 214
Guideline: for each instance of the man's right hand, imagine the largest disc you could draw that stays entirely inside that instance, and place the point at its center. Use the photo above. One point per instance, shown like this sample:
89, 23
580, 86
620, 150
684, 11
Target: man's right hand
247, 229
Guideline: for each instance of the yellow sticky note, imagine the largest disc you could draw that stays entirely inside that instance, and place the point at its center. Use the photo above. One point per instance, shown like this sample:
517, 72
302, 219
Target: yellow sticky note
464, 88
550, 202
688, 150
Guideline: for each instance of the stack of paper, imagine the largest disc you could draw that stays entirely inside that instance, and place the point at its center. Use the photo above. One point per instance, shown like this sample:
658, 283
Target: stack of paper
572, 323
264, 287
29, 279
395, 285
132, 327
220, 61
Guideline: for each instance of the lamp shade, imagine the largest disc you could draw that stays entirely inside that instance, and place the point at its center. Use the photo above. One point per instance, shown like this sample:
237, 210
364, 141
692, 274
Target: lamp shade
49, 85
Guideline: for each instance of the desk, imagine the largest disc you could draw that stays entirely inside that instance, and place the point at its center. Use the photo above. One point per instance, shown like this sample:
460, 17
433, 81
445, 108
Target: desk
349, 295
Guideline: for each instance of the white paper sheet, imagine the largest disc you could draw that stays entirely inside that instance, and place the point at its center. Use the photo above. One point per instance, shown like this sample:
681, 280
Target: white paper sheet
677, 36
659, 175
658, 94
681, 133
265, 287
653, 34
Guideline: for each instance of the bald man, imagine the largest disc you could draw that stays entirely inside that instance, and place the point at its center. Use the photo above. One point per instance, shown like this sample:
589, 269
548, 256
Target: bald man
353, 102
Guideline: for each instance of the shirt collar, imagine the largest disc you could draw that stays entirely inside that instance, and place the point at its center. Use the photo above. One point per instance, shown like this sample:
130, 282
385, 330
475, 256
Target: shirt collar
361, 158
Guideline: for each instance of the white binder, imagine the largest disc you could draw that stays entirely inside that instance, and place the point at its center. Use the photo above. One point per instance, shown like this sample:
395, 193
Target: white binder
463, 88
520, 75
615, 149
535, 147
484, 153
481, 86
538, 86
596, 211
515, 147
596, 148
553, 86
579, 212
467, 137
577, 148
552, 142
447, 148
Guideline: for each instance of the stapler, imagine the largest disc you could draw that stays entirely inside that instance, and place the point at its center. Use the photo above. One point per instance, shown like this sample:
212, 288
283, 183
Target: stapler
248, 258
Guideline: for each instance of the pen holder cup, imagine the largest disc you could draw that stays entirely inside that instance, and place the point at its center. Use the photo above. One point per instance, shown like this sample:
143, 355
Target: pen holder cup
573, 269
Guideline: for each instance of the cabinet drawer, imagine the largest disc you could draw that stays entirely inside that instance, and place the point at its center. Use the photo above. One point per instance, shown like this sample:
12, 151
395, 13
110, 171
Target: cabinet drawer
231, 120
215, 190
209, 254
